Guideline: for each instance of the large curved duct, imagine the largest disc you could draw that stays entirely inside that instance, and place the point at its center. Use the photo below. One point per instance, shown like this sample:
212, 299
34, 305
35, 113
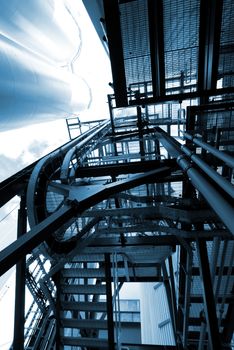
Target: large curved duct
34, 91
33, 48
44, 27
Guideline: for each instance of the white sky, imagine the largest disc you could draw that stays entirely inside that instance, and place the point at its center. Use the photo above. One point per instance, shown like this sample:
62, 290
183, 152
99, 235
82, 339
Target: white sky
21, 147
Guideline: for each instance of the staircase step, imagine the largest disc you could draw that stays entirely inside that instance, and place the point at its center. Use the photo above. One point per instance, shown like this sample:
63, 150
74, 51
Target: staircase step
89, 342
86, 323
83, 289
84, 306
89, 258
84, 272
100, 272
93, 257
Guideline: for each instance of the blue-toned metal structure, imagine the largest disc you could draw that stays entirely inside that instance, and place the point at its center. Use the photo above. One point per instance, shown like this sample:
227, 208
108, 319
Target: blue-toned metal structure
127, 195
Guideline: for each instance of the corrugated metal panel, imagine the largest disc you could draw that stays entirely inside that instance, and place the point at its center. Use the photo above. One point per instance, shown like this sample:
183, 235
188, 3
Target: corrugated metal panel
154, 311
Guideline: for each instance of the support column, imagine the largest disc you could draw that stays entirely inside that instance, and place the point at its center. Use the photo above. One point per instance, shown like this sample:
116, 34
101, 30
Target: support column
155, 13
57, 278
110, 321
18, 342
210, 29
170, 299
208, 297
141, 134
111, 114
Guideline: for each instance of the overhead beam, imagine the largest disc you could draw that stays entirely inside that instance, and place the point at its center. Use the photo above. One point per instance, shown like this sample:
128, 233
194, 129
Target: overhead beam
113, 29
123, 168
209, 42
78, 202
155, 15
156, 212
179, 97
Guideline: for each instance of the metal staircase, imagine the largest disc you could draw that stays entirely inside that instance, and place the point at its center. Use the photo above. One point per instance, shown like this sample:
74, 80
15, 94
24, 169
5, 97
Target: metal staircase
83, 302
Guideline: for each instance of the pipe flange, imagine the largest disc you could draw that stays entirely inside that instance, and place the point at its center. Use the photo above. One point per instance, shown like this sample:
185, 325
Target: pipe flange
187, 165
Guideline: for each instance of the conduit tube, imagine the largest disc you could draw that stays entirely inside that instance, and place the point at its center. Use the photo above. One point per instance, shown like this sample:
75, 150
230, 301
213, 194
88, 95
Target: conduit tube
222, 208
226, 158
65, 167
217, 202
47, 165
221, 181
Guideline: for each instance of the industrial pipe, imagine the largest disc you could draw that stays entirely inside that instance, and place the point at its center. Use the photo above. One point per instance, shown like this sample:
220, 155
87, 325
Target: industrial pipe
226, 158
49, 162
219, 204
222, 208
65, 167
220, 180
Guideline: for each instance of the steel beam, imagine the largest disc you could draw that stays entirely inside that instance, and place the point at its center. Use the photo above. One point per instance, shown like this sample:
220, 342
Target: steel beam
208, 296
18, 342
170, 300
156, 212
127, 346
155, 15
181, 296
113, 29
180, 97
110, 320
209, 41
57, 279
79, 201
173, 292
228, 328
26, 243
123, 168
141, 134
111, 115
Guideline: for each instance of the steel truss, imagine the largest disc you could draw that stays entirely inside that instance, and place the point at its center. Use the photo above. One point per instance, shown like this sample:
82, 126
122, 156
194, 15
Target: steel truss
124, 188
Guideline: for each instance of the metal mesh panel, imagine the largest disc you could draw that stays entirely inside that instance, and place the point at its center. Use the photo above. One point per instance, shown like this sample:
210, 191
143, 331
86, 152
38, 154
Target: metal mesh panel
219, 126
226, 58
135, 38
181, 37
